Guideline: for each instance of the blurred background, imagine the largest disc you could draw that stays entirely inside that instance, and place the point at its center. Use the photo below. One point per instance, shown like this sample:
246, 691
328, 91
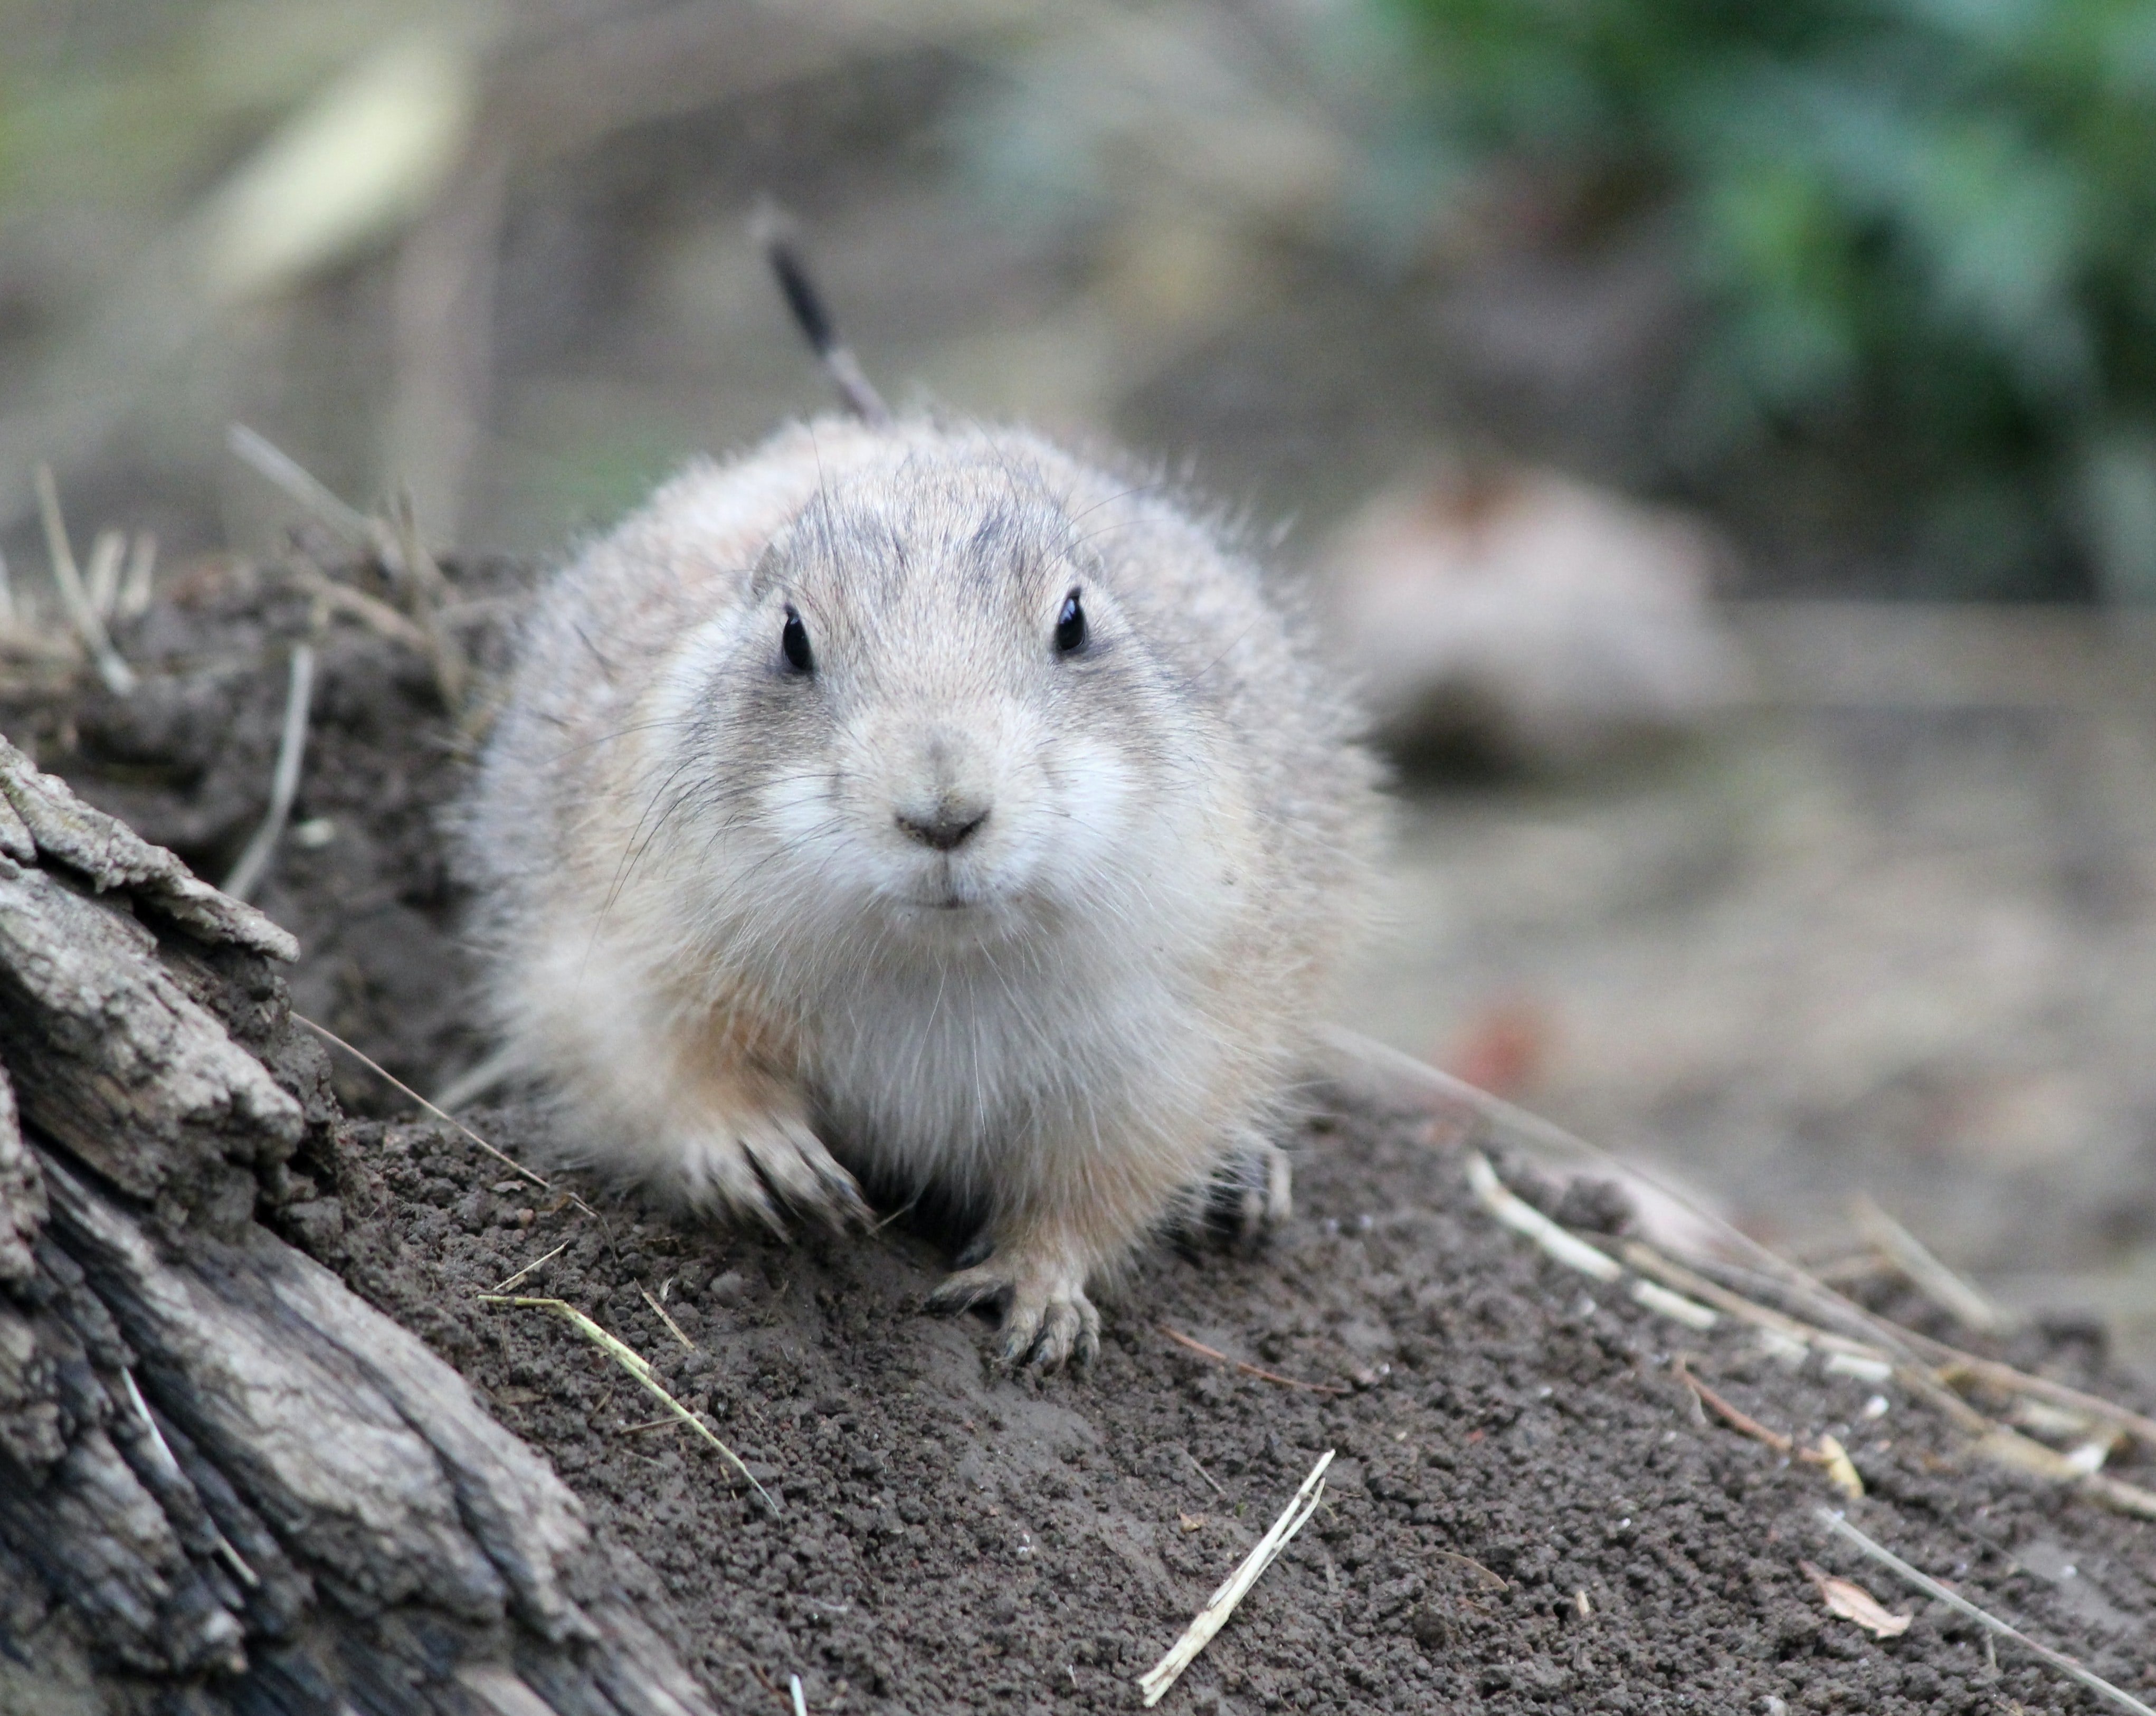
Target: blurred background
1723, 438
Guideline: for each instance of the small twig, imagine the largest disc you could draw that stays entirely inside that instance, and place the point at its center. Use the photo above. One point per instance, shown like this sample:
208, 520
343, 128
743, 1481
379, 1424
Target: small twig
1954, 1599
118, 676
1212, 1483
1264, 1375
535, 1263
1733, 1417
634, 1363
284, 781
1923, 1272
673, 1327
1163, 1675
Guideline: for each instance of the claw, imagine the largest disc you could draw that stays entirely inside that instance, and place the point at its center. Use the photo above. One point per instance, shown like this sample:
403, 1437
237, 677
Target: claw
1045, 1325
965, 1288
1064, 1330
1250, 1196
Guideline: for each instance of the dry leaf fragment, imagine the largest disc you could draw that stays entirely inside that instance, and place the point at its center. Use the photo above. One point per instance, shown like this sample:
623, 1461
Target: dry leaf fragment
1852, 1602
1191, 1521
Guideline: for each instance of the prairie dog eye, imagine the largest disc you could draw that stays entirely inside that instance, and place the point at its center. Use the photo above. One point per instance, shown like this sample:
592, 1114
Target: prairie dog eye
1070, 626
793, 641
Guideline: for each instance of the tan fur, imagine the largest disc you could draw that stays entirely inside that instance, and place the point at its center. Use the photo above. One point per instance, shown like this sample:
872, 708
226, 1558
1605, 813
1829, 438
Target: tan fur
715, 940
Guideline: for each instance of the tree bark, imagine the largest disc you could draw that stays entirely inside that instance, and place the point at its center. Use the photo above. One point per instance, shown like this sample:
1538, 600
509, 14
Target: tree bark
226, 1483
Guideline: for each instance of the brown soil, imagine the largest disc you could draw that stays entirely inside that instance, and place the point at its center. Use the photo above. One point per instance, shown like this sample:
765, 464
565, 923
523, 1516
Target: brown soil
1528, 1511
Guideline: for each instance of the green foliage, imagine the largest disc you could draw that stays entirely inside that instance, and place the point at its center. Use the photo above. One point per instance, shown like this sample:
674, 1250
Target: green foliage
1927, 225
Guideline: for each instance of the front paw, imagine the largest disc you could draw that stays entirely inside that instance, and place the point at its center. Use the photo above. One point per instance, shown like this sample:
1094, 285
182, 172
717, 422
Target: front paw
765, 1161
1047, 1319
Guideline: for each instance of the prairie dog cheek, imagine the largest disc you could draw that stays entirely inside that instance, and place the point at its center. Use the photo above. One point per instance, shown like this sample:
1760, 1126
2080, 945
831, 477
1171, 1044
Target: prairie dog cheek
1085, 804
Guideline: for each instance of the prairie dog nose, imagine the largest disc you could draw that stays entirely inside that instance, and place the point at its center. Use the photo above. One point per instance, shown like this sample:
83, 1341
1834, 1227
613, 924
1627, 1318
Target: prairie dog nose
948, 826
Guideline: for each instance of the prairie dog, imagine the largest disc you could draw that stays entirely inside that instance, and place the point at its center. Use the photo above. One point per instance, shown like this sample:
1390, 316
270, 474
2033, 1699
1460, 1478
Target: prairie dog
913, 807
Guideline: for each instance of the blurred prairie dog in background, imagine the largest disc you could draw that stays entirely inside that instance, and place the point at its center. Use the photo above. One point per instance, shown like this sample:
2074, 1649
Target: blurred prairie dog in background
911, 809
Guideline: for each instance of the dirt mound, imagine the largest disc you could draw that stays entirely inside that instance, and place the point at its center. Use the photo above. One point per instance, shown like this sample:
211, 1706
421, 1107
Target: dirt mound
1529, 1508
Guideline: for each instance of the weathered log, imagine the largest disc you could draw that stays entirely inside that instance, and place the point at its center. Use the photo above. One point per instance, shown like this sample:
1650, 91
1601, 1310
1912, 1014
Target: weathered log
225, 1481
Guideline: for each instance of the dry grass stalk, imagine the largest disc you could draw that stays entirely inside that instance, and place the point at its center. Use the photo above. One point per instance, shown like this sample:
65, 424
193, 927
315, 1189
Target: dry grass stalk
673, 1327
118, 676
429, 593
536, 1263
396, 543
349, 526
101, 578
1649, 1262
1200, 1346
1921, 1269
284, 778
1924, 1366
635, 1364
140, 580
1952, 1364
1155, 1681
1523, 1218
1954, 1599
382, 1072
376, 615
800, 1699
1570, 1250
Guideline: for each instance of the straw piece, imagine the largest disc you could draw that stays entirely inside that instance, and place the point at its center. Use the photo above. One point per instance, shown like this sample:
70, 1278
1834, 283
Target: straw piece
1523, 1218
118, 676
1157, 1680
634, 1363
1954, 1599
534, 1264
284, 780
101, 578
1924, 1271
377, 1068
1657, 1298
1848, 1598
139, 583
301, 485
673, 1327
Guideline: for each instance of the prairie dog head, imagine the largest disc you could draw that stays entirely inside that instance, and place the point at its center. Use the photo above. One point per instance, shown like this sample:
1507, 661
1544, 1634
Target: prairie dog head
930, 714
